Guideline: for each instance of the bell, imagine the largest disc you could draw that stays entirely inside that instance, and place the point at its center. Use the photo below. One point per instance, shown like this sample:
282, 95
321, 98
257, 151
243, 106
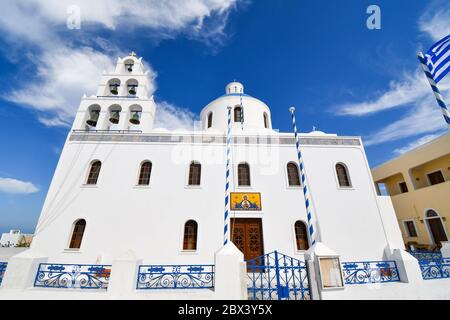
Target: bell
113, 89
135, 118
114, 117
132, 90
129, 67
93, 119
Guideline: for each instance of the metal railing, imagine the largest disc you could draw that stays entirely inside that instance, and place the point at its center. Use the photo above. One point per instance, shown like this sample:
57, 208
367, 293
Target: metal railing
432, 264
175, 277
76, 276
3, 266
370, 272
276, 276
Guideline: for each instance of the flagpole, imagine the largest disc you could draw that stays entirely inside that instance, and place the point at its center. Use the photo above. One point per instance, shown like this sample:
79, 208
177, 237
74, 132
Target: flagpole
437, 93
226, 229
303, 178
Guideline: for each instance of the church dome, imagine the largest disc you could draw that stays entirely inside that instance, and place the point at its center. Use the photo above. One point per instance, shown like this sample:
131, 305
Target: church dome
247, 112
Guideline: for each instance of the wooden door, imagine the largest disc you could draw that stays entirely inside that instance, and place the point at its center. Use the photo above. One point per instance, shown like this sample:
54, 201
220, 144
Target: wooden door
437, 230
246, 234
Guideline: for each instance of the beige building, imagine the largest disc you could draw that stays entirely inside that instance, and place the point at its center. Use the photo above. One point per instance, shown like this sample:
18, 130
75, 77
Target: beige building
419, 185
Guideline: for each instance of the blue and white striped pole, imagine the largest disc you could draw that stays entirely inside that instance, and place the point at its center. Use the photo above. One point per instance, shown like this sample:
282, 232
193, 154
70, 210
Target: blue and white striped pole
312, 232
226, 229
435, 89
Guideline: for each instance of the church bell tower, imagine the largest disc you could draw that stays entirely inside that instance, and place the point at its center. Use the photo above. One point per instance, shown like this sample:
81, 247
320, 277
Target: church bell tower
122, 102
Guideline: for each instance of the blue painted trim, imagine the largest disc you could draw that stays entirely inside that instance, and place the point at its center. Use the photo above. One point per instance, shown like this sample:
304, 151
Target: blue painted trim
364, 272
160, 277
3, 266
79, 276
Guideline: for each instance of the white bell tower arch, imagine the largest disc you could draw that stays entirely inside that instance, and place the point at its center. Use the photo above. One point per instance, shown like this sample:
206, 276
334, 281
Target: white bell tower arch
122, 101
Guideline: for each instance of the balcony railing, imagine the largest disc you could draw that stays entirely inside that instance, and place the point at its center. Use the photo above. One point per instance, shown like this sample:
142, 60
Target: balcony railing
3, 266
370, 272
432, 264
175, 277
77, 276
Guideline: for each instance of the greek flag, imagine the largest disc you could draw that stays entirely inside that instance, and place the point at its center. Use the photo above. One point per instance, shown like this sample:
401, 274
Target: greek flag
438, 59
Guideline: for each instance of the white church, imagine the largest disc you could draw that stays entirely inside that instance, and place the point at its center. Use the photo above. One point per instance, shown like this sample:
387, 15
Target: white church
137, 212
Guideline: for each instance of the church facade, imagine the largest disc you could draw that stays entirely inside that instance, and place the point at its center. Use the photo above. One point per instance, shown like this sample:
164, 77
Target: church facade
125, 190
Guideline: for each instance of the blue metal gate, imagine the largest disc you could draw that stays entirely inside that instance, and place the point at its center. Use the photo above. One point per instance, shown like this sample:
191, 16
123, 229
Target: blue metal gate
275, 276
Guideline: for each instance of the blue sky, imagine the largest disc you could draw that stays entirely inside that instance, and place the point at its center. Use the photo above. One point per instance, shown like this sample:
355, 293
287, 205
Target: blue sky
317, 55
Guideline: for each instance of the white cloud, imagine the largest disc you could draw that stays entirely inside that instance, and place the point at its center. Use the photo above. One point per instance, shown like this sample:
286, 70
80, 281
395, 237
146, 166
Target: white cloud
412, 92
425, 117
171, 117
416, 143
407, 91
13, 186
435, 22
64, 71
62, 76
34, 20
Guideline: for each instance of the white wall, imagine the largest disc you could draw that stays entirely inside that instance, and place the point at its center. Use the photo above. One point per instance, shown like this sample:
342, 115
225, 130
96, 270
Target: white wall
149, 220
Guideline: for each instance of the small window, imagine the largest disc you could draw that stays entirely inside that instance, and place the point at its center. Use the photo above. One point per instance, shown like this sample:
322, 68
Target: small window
94, 172
342, 174
77, 234
243, 174
195, 170
190, 235
435, 177
301, 236
266, 121
410, 228
237, 114
293, 176
210, 118
144, 174
431, 214
403, 187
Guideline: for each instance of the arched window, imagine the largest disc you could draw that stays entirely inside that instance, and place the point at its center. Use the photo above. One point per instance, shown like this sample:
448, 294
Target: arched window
266, 121
301, 235
144, 174
132, 85
431, 214
210, 115
92, 116
114, 85
293, 176
237, 114
135, 115
114, 114
244, 174
129, 64
195, 171
190, 235
77, 234
94, 171
342, 174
